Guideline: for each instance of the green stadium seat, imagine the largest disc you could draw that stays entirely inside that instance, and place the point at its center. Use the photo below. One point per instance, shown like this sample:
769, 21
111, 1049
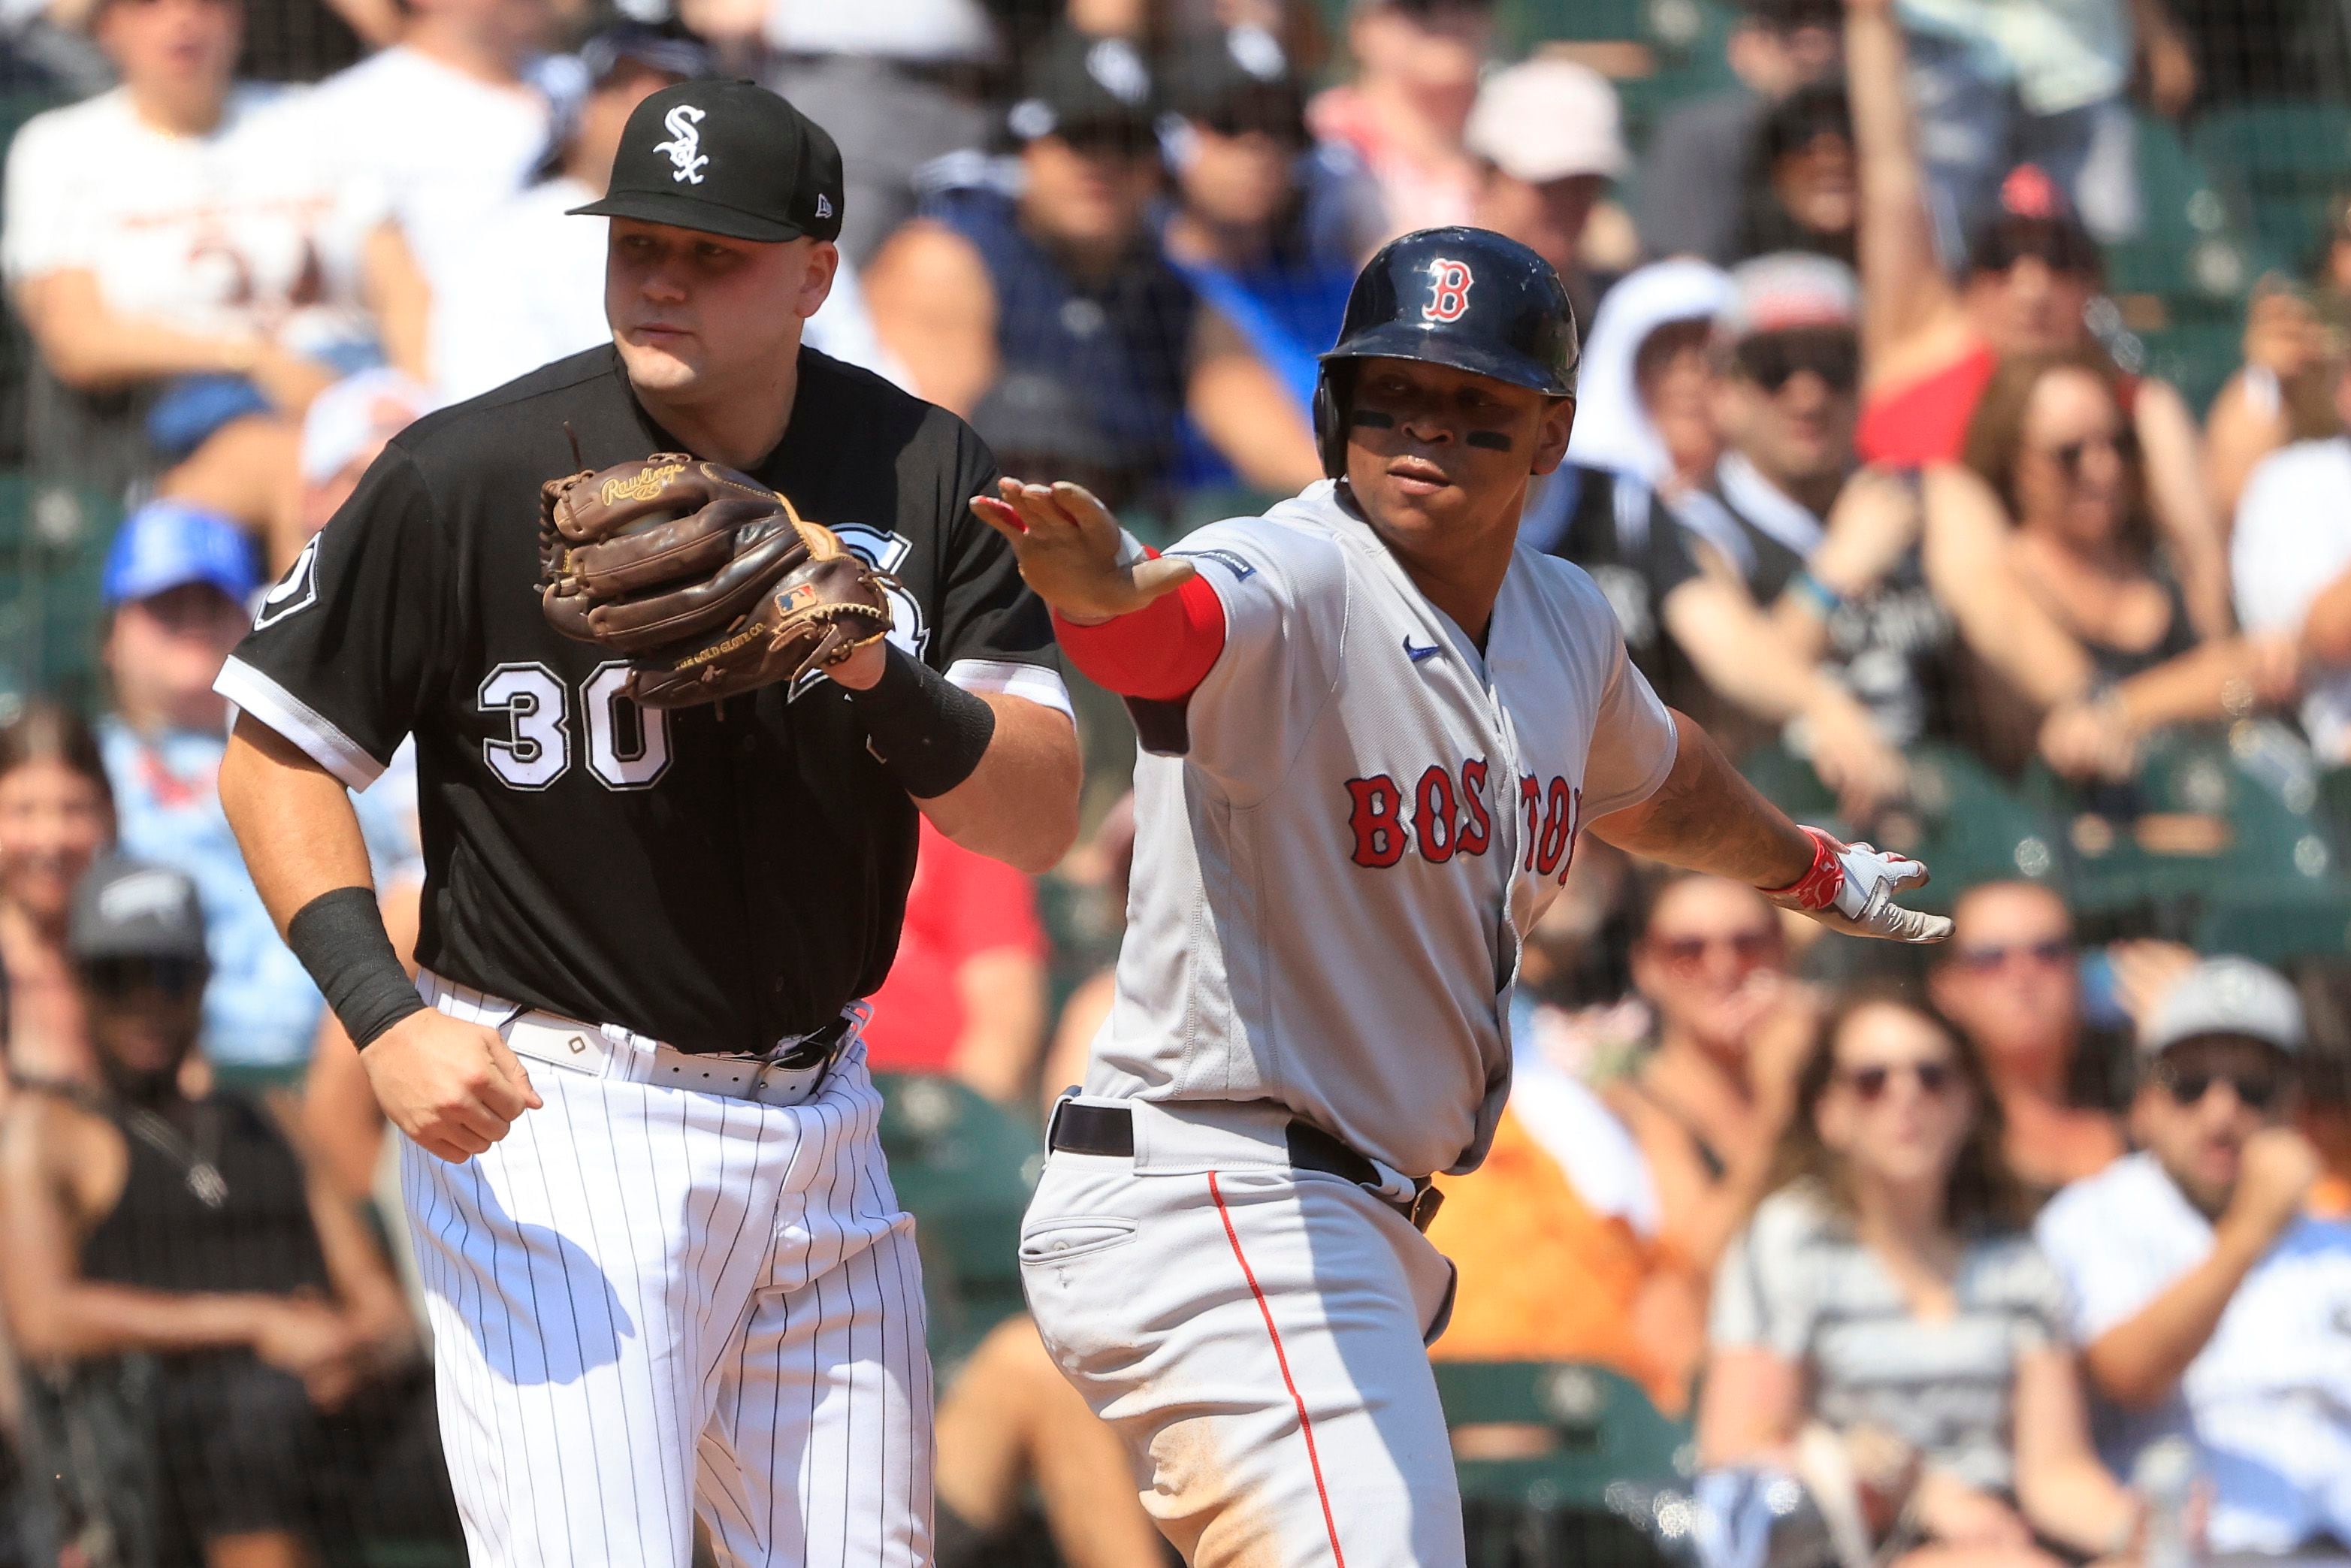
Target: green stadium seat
2187, 248
1604, 1431
2277, 924
2278, 162
964, 1169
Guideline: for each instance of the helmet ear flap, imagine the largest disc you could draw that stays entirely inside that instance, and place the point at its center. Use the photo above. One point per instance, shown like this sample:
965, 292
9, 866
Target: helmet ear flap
1331, 419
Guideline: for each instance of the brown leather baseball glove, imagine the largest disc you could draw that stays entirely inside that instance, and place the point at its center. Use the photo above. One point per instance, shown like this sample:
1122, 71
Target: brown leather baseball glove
708, 580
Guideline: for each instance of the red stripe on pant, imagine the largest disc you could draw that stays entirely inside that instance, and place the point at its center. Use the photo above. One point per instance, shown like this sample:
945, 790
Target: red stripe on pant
1282, 1359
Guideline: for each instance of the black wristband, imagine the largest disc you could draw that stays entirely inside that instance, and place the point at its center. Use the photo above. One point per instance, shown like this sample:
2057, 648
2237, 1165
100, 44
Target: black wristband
340, 939
927, 731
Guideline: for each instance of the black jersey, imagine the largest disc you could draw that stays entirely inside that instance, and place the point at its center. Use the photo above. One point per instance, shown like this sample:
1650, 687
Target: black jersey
715, 877
1620, 533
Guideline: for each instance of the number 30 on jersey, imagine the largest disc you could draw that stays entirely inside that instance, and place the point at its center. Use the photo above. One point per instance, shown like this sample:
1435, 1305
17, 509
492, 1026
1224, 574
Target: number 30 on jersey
628, 746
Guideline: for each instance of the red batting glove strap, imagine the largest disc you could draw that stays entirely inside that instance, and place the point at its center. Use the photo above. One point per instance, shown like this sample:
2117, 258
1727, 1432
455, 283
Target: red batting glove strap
1817, 888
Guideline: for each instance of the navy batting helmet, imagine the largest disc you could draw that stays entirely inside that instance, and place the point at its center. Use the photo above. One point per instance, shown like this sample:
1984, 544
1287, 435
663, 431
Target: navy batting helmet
1460, 297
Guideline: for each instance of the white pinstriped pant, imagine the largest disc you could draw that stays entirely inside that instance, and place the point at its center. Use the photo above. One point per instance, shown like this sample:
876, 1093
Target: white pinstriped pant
649, 1302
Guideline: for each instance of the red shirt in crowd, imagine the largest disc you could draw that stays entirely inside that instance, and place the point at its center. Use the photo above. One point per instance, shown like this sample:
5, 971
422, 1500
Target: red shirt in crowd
1925, 422
962, 905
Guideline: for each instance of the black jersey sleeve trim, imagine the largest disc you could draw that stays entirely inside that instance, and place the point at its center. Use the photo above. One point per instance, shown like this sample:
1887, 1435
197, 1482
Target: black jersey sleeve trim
290, 716
1039, 684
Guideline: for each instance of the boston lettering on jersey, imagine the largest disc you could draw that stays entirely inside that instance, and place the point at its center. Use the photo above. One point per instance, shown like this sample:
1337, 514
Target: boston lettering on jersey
715, 877
1444, 818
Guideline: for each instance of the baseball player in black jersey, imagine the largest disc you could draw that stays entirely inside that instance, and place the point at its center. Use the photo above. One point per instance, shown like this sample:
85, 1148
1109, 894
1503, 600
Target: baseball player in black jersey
667, 1273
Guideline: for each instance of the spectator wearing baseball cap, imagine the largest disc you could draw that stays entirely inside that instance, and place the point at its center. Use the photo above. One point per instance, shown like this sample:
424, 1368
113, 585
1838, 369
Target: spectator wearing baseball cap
1069, 276
1404, 112
1694, 171
177, 583
2212, 1306
1931, 345
1547, 138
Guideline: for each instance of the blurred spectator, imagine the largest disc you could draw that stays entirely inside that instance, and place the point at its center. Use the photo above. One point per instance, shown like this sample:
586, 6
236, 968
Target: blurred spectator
898, 85
445, 125
2290, 558
1643, 405
2056, 452
1888, 1286
2285, 392
1707, 1101
2041, 82
1929, 347
1693, 186
496, 321
1801, 190
55, 815
1267, 231
1068, 276
346, 425
175, 584
1010, 1424
1554, 1243
185, 237
1547, 138
2011, 980
1407, 107
179, 1246
2211, 1306
966, 996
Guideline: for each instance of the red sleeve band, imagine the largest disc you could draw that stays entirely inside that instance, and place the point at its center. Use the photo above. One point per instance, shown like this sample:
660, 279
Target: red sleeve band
1160, 652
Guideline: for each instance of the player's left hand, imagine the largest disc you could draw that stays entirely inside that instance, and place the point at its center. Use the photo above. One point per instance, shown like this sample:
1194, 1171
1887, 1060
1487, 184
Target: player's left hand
1852, 888
1074, 553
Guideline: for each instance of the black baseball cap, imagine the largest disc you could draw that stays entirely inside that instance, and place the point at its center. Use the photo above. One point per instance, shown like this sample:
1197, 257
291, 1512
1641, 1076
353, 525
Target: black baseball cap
1081, 87
725, 158
1238, 79
125, 908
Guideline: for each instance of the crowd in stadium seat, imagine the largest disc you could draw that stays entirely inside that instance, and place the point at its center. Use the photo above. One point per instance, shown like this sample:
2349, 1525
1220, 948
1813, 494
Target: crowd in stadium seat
1961, 435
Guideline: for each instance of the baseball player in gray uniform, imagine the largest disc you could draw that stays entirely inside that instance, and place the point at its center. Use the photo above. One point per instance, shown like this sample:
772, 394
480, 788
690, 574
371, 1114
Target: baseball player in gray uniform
1374, 724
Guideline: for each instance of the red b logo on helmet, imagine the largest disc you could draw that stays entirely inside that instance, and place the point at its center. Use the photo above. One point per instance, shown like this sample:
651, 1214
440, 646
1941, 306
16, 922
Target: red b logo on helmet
1448, 290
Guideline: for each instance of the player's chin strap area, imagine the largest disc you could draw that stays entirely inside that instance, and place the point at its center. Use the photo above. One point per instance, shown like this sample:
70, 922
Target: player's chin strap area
789, 1074
1080, 1127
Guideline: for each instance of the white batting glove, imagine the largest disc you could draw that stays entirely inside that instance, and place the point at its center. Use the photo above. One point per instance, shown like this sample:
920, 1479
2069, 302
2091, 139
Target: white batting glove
1851, 887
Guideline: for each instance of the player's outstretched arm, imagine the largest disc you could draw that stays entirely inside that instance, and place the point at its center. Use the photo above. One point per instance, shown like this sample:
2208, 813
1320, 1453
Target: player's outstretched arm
1707, 817
454, 1087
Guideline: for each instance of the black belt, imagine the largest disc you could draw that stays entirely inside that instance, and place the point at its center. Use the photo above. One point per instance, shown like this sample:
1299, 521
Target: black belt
1108, 1131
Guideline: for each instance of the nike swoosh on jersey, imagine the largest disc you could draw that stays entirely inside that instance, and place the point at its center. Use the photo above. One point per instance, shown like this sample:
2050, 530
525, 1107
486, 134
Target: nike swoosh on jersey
1417, 654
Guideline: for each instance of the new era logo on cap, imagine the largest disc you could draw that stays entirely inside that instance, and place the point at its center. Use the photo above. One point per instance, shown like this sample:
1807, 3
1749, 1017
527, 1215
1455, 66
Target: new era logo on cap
725, 158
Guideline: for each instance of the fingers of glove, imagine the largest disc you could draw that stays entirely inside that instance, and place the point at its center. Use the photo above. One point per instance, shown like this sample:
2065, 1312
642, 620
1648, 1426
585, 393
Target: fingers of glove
1890, 922
683, 546
694, 609
1160, 575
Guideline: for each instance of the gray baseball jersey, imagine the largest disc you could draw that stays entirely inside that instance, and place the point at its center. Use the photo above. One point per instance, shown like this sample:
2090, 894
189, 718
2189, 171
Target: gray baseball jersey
1358, 815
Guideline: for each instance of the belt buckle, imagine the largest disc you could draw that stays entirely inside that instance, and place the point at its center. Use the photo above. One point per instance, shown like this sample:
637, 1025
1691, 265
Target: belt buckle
1422, 1210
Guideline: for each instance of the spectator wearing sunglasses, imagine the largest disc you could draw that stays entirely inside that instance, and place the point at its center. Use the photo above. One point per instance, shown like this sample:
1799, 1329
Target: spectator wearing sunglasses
2059, 459
2211, 1305
2029, 274
1068, 276
2011, 980
1889, 1287
1706, 1099
180, 1245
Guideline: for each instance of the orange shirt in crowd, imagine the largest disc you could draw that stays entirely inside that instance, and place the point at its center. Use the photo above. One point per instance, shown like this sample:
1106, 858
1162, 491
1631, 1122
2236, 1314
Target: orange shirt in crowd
962, 905
1544, 1277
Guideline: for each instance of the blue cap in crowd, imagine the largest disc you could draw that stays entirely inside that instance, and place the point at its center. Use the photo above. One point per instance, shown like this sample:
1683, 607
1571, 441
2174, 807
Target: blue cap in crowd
166, 543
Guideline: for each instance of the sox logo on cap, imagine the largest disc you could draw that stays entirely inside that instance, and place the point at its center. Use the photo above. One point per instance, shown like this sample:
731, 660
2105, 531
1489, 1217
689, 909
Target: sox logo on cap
684, 146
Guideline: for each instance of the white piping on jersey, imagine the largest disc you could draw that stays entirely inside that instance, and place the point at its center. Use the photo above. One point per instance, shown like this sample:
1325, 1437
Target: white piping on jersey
296, 721
1040, 683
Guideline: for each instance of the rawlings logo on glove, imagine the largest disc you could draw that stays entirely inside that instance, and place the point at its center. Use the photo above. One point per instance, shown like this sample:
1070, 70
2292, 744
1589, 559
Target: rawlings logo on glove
1851, 887
711, 582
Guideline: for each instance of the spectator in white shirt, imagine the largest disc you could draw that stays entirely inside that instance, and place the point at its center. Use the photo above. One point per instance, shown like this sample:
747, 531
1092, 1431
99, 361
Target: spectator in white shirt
177, 237
2289, 560
2211, 1305
531, 287
448, 122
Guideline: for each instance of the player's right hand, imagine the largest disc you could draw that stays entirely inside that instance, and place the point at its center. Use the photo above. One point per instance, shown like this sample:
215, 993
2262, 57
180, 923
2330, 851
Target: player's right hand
1074, 553
452, 1086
